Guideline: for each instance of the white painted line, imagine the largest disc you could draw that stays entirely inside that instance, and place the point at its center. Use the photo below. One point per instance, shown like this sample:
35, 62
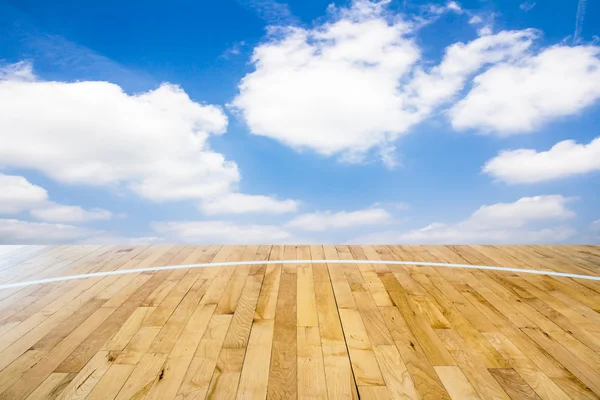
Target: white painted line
230, 263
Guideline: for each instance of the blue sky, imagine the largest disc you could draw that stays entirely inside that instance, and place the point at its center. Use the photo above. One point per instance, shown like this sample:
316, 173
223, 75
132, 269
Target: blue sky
244, 121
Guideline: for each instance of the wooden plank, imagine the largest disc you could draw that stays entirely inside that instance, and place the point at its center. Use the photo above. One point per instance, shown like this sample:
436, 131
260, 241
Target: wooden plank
374, 324
86, 350
69, 325
282, 373
307, 313
38, 373
456, 383
14, 371
226, 378
169, 334
51, 387
143, 377
138, 345
111, 382
56, 312
162, 313
513, 383
426, 381
397, 378
369, 273
233, 291
468, 332
198, 376
311, 372
479, 377
430, 312
550, 328
239, 331
426, 337
539, 381
267, 300
374, 393
84, 382
128, 330
168, 382
255, 371
587, 375
362, 357
341, 288
338, 371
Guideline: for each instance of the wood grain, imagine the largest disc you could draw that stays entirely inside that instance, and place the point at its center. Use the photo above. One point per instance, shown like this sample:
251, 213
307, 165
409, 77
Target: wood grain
307, 331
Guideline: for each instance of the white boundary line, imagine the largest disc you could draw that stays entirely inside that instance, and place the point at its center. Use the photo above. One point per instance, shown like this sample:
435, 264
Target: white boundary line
223, 264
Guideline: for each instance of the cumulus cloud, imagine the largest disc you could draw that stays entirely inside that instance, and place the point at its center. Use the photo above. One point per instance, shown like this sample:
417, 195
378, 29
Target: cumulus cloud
18, 194
331, 89
13, 231
462, 60
69, 214
93, 133
566, 158
239, 203
323, 220
361, 79
220, 232
154, 143
496, 223
521, 212
358, 82
519, 96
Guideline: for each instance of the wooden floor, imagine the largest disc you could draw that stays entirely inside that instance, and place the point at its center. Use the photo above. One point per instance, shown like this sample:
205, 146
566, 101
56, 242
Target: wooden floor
311, 331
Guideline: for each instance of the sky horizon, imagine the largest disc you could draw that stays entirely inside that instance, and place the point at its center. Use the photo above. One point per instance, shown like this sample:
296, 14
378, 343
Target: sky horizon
261, 121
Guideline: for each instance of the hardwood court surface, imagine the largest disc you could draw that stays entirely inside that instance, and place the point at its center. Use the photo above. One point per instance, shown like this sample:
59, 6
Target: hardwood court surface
309, 331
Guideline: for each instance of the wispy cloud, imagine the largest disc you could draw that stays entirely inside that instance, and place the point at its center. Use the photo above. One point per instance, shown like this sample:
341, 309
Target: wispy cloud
57, 54
579, 21
271, 11
527, 6
234, 50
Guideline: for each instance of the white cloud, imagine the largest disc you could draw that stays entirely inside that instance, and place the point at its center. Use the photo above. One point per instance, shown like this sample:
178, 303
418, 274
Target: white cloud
18, 194
355, 83
595, 226
323, 220
13, 231
450, 6
21, 71
521, 95
566, 158
521, 212
107, 239
462, 60
496, 223
238, 203
154, 143
451, 234
527, 6
331, 89
361, 78
69, 214
220, 232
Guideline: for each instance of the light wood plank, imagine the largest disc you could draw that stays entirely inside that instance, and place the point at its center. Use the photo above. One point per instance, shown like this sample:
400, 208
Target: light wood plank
456, 383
